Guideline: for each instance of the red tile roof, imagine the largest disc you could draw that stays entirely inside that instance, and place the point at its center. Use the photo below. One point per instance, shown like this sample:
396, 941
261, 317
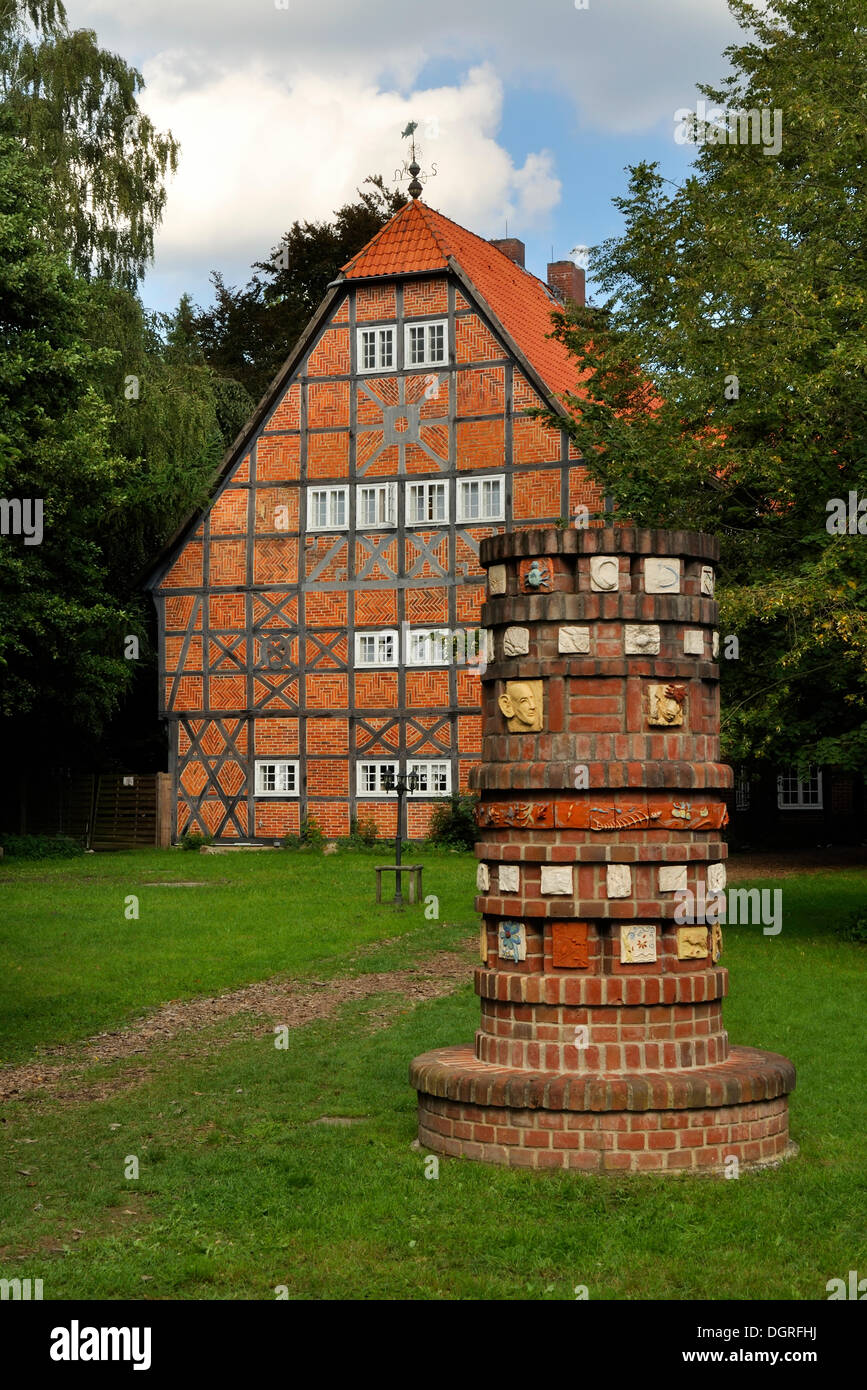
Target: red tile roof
418, 238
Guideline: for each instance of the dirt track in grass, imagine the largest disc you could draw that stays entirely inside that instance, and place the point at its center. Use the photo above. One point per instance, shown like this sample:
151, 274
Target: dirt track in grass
58, 1073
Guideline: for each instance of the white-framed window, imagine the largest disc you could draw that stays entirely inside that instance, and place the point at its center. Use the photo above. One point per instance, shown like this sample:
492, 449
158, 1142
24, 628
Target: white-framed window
427, 504
327, 508
278, 778
428, 646
425, 343
796, 793
375, 505
482, 499
375, 349
434, 778
376, 648
369, 777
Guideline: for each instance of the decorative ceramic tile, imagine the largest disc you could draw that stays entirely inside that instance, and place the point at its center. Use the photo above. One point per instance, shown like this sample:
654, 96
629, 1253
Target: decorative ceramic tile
707, 580
693, 641
509, 878
672, 878
483, 878
536, 576
516, 641
661, 576
637, 944
715, 645
483, 944
522, 705
604, 573
716, 877
691, 943
512, 938
641, 639
604, 815
716, 942
618, 880
666, 705
569, 948
497, 579
557, 878
573, 639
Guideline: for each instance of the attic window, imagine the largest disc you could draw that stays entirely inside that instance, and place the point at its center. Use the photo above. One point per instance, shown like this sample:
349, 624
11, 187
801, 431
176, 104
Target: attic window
425, 344
375, 349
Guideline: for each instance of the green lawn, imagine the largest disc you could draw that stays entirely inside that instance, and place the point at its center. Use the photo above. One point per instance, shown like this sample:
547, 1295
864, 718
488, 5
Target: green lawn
240, 1191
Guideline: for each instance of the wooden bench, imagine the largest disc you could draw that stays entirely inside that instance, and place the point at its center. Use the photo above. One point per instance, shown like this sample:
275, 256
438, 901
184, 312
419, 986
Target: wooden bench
414, 871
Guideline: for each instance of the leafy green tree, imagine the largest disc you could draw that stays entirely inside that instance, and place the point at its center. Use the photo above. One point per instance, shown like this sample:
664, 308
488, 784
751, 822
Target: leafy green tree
76, 109
248, 333
61, 640
722, 381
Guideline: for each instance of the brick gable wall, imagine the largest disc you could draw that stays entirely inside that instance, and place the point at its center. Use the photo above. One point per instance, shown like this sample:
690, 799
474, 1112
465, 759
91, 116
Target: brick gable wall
258, 615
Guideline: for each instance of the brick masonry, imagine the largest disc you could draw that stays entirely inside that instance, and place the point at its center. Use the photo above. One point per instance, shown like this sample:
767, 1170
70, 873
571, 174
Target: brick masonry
601, 1044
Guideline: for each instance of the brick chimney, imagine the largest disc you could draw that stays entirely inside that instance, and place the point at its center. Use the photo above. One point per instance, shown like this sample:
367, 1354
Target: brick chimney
566, 279
511, 247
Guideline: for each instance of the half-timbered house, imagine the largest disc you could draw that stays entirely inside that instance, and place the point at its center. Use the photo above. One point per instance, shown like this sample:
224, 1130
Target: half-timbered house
307, 618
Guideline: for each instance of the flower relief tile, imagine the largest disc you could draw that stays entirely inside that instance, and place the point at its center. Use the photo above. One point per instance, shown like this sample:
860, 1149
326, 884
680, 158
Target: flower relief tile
637, 944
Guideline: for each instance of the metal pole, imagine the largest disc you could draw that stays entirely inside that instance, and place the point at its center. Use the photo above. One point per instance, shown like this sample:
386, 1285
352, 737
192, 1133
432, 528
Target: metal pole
398, 895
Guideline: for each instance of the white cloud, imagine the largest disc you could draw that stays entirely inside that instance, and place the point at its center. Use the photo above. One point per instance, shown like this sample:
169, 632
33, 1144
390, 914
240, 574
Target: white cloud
257, 154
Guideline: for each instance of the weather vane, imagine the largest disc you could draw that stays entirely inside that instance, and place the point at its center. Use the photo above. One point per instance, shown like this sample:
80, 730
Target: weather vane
413, 169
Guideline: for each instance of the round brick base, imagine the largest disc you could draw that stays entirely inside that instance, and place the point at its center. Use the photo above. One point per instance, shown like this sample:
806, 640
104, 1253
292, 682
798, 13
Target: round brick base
652, 1122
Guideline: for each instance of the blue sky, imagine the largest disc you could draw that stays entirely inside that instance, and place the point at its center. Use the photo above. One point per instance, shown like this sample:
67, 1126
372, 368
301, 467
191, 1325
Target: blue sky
532, 112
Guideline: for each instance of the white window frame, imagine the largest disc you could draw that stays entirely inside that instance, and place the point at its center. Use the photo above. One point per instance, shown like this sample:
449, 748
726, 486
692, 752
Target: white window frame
332, 493
287, 765
386, 502
426, 637
361, 790
427, 326
380, 659
481, 519
382, 334
427, 486
425, 766
794, 793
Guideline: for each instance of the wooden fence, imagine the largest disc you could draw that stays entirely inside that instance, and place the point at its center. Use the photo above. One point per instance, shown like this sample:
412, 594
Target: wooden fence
104, 811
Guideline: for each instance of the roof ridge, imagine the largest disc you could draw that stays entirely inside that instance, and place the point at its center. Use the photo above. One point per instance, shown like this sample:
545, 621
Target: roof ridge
406, 212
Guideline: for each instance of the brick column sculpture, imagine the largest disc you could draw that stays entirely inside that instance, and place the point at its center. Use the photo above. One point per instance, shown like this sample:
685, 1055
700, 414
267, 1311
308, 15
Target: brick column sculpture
601, 1044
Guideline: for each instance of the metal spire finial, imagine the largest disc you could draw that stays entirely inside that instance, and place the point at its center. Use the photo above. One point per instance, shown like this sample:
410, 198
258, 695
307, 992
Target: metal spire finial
413, 168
